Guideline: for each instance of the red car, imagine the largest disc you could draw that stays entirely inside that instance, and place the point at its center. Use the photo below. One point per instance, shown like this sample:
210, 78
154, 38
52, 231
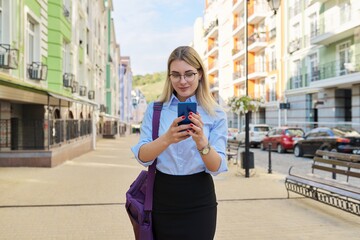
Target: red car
282, 138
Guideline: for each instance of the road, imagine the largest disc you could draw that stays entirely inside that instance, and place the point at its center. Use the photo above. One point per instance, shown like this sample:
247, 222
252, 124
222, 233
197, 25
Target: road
281, 162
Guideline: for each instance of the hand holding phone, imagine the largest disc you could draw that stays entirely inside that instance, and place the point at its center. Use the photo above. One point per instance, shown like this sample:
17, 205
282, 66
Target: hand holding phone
184, 108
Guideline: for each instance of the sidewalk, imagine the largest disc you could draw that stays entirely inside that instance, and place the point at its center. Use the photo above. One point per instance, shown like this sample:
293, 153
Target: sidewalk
84, 199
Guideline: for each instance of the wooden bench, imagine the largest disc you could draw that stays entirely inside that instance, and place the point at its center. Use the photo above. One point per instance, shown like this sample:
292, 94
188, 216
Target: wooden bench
343, 194
233, 150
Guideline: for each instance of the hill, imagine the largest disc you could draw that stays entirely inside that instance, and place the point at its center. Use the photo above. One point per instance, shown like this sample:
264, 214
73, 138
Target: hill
151, 85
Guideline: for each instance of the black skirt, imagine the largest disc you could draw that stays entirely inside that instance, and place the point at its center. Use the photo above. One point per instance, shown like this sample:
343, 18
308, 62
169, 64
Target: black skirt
184, 207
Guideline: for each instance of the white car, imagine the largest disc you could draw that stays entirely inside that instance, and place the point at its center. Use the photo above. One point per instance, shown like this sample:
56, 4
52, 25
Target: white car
256, 134
232, 133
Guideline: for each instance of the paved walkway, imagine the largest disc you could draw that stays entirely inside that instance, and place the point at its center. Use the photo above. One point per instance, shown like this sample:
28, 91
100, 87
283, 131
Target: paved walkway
84, 199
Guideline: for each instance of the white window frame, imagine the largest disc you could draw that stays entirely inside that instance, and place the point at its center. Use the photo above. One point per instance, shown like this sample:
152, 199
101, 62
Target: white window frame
344, 47
36, 34
272, 89
313, 21
5, 26
313, 59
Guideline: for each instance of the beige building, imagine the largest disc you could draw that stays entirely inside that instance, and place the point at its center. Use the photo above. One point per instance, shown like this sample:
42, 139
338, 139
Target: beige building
302, 62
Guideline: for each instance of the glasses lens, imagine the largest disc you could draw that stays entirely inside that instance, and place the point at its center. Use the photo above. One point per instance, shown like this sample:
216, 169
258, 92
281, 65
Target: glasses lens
189, 77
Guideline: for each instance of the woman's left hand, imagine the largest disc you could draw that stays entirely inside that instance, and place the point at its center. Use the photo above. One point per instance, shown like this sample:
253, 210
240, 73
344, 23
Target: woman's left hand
196, 130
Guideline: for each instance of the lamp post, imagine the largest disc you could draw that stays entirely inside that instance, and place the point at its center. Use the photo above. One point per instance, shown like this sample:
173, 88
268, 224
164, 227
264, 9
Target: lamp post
274, 5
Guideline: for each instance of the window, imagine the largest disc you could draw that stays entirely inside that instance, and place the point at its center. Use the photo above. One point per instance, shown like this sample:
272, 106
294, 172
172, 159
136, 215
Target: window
296, 74
314, 67
31, 41
66, 58
1, 21
345, 12
344, 58
313, 25
272, 96
5, 22
272, 57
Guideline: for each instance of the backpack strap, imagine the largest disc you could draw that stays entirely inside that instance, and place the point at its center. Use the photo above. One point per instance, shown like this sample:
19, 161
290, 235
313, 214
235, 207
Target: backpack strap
152, 167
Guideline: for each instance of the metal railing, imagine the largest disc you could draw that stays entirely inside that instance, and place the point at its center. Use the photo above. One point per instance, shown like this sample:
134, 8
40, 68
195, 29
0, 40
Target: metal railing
39, 134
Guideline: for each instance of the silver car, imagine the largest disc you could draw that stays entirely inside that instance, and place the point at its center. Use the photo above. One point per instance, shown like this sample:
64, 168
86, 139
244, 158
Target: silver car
256, 134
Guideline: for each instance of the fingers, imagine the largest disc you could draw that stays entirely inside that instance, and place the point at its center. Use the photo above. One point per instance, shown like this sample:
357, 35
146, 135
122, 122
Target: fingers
196, 119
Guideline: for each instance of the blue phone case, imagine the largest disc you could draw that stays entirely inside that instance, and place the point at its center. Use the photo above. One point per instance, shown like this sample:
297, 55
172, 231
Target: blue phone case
183, 110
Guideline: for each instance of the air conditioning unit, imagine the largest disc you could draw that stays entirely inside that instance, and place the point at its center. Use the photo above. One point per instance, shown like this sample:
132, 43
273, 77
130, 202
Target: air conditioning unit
91, 94
4, 58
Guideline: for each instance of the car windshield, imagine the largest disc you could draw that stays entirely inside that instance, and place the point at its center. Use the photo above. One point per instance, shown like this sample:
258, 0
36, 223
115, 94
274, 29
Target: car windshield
294, 132
261, 129
346, 132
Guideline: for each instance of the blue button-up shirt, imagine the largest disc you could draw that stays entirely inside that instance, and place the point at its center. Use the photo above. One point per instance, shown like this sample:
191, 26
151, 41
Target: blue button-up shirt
183, 158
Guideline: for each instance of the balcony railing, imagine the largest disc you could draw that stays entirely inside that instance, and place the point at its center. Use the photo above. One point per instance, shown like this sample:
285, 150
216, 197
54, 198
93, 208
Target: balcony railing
8, 57
335, 69
37, 71
294, 45
213, 24
31, 134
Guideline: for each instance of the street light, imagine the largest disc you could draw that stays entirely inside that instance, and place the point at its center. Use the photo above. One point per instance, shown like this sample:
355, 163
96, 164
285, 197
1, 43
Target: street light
274, 5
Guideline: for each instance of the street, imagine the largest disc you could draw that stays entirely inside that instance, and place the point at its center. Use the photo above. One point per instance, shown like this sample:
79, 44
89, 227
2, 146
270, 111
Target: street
281, 162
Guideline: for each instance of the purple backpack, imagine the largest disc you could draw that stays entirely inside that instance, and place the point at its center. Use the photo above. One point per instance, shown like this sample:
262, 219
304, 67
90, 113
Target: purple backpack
140, 195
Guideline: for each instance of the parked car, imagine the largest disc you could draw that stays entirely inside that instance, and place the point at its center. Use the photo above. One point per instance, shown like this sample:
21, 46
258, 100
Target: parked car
256, 134
339, 139
282, 139
232, 133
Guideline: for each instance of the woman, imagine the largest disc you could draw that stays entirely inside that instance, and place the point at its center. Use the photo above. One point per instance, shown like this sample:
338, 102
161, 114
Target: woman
184, 204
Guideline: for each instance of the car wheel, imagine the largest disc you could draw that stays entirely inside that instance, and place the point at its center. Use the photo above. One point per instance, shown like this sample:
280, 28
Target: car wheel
298, 151
262, 146
280, 148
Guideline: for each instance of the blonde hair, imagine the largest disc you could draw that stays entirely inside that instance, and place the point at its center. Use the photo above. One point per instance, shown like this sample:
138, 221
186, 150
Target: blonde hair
203, 95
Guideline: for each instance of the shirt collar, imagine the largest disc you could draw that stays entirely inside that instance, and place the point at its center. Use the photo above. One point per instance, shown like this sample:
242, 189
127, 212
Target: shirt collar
174, 100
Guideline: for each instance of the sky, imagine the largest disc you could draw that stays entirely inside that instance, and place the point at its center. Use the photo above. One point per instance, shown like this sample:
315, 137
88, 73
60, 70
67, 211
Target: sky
148, 30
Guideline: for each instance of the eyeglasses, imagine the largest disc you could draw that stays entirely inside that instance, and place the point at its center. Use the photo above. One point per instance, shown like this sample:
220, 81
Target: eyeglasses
176, 77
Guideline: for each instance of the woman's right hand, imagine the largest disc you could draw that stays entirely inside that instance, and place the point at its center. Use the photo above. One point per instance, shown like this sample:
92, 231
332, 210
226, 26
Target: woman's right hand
177, 133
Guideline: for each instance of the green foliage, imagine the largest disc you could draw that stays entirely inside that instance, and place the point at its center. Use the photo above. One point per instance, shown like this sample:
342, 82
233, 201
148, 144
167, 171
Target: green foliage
151, 85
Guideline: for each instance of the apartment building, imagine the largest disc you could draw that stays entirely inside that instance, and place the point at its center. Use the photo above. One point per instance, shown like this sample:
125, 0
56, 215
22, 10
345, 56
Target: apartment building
323, 67
302, 61
56, 69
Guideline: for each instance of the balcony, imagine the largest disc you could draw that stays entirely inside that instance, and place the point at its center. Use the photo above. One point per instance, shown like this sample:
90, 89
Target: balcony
212, 29
333, 29
257, 70
257, 12
83, 91
37, 71
214, 86
238, 6
257, 42
8, 57
294, 46
91, 95
68, 79
336, 69
212, 49
238, 75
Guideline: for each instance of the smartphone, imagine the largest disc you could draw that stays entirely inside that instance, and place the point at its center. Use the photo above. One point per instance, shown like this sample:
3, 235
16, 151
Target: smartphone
184, 108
